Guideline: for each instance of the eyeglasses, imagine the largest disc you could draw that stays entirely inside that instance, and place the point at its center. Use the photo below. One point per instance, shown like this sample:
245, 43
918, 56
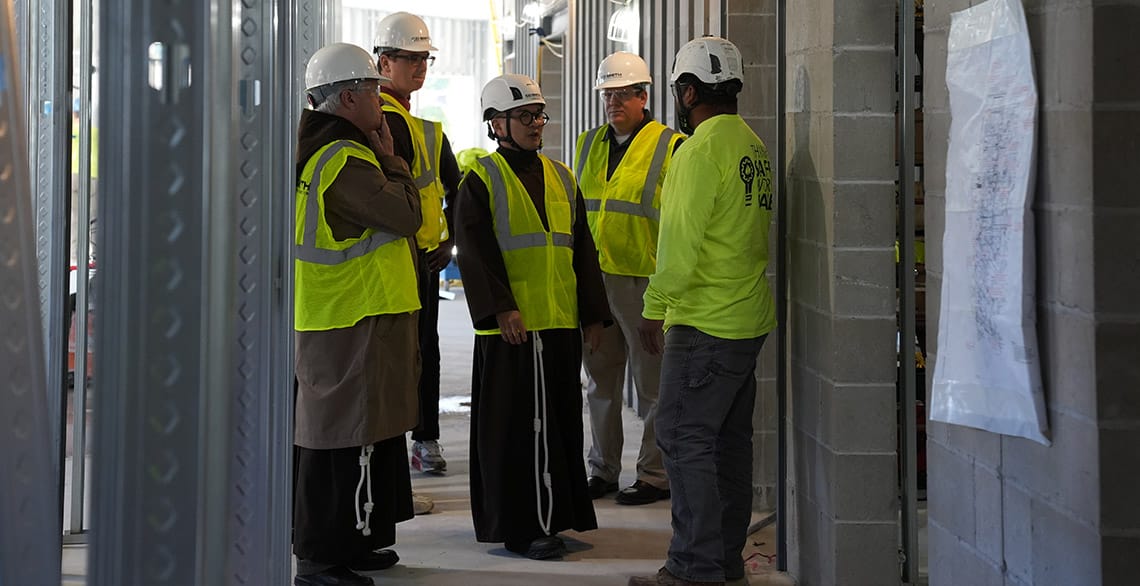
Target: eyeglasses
621, 95
367, 89
414, 59
527, 117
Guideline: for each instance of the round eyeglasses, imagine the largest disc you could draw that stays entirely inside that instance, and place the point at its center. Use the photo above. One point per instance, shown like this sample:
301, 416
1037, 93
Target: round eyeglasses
528, 118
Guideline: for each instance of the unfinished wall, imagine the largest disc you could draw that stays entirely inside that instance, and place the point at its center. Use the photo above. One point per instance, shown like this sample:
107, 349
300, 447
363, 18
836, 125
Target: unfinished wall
751, 25
1008, 511
550, 79
841, 232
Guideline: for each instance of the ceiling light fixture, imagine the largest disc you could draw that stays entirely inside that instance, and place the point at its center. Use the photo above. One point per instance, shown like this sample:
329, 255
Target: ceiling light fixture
625, 25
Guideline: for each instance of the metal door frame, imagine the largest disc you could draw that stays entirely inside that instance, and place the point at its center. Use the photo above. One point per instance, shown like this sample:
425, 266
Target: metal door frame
30, 541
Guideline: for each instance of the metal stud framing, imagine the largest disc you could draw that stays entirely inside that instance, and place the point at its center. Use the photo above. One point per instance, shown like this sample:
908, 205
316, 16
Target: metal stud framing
160, 471
908, 451
82, 252
259, 512
311, 30
47, 49
665, 26
30, 540
586, 45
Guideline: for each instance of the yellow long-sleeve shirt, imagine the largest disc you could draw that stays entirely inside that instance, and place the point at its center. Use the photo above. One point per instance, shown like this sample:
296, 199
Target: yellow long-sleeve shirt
713, 243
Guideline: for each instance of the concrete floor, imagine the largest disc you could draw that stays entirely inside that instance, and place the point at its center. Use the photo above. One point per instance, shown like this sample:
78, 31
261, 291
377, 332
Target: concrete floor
440, 548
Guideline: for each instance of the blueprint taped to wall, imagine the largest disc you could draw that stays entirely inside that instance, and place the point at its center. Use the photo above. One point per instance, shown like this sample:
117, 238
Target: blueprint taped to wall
987, 373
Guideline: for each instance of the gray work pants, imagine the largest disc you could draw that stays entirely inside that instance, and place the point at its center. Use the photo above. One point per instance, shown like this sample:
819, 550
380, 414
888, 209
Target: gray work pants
704, 429
605, 368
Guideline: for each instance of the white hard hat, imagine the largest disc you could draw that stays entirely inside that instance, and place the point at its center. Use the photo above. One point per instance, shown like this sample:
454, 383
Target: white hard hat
508, 91
622, 69
403, 31
711, 59
340, 62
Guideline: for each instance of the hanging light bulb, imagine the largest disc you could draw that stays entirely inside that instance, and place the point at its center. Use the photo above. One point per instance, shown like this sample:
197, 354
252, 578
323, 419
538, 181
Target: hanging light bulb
532, 13
625, 25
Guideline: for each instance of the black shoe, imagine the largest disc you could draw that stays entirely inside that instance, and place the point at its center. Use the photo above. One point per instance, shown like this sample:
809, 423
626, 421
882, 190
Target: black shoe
641, 493
597, 487
542, 548
381, 559
338, 576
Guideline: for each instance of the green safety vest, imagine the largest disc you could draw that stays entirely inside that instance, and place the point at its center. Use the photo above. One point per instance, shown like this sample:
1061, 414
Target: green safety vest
427, 144
540, 263
339, 282
624, 211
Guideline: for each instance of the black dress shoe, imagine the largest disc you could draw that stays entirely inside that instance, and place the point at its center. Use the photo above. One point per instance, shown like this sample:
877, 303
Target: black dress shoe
543, 548
381, 559
338, 576
641, 493
597, 487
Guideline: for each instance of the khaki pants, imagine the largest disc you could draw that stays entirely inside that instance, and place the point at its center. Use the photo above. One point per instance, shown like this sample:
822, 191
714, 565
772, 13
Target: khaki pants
605, 368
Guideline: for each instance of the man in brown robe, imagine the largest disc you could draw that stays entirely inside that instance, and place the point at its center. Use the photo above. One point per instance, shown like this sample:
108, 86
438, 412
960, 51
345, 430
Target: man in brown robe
357, 360
528, 478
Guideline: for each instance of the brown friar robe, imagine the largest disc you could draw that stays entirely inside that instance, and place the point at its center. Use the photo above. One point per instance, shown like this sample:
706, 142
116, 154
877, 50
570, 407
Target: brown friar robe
506, 505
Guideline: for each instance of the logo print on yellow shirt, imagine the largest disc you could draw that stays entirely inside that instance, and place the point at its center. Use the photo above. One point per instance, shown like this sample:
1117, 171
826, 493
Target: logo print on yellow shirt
747, 175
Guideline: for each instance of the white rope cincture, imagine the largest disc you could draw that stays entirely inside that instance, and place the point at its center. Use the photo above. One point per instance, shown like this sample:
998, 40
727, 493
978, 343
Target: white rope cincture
365, 473
542, 478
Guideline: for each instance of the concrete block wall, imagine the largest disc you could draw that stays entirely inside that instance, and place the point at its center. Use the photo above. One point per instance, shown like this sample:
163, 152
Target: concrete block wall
841, 232
751, 25
1004, 510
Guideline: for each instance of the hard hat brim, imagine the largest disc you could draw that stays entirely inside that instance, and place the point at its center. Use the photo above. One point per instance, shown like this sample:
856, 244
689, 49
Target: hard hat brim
620, 83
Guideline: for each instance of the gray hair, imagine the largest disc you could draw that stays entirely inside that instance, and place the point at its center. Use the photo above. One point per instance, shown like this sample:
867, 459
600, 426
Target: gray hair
327, 97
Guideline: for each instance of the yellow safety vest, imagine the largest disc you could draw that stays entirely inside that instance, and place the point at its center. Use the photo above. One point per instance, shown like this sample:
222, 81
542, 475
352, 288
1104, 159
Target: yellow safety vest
624, 211
94, 152
540, 263
339, 282
427, 143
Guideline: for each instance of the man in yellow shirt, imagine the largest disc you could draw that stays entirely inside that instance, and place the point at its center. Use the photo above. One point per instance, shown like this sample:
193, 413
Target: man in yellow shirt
712, 300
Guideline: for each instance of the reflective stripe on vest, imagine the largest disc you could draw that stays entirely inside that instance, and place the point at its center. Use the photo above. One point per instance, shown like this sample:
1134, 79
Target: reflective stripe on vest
644, 208
587, 144
429, 173
426, 137
509, 241
308, 250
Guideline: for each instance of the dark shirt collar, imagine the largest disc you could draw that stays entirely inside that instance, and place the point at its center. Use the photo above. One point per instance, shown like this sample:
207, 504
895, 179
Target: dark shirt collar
406, 103
515, 157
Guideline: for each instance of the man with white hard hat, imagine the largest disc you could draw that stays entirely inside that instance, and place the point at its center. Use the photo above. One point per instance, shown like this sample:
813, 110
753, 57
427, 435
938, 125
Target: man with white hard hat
534, 290
403, 49
710, 296
620, 167
355, 306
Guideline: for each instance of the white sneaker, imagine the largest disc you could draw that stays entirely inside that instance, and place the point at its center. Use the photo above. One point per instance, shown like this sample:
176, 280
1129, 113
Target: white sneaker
421, 504
427, 456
